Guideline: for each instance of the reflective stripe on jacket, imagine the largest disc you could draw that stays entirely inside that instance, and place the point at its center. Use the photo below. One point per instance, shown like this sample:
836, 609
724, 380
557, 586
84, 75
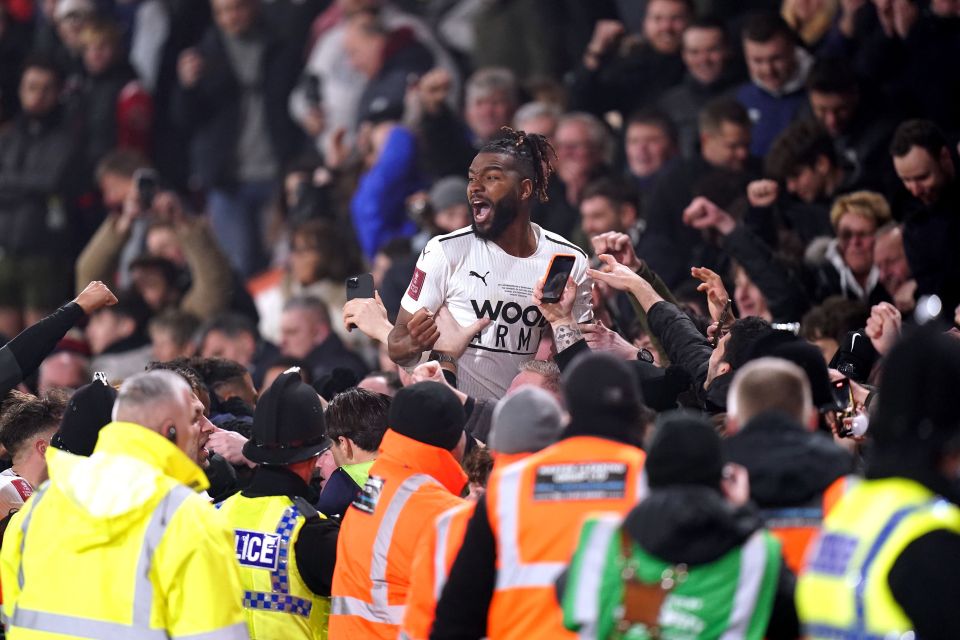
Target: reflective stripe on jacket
410, 484
431, 568
842, 592
730, 598
796, 527
276, 601
560, 485
115, 546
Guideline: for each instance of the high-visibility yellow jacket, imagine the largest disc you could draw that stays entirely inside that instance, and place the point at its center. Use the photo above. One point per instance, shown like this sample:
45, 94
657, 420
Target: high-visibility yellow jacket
277, 601
117, 546
842, 591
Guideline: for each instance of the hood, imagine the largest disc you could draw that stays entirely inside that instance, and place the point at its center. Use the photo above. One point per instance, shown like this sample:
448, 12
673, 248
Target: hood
689, 524
439, 464
788, 465
129, 467
848, 282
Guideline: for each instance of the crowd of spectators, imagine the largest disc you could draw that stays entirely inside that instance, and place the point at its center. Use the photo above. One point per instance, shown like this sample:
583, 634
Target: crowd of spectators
752, 182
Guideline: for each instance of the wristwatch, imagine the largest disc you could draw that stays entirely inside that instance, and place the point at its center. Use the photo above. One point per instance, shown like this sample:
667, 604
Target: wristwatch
442, 357
644, 355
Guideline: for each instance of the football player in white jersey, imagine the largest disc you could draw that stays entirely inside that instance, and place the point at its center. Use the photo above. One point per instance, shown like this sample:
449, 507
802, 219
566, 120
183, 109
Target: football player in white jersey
489, 270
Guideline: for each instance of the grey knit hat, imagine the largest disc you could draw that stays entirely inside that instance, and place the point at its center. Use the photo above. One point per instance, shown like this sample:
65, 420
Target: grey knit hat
525, 422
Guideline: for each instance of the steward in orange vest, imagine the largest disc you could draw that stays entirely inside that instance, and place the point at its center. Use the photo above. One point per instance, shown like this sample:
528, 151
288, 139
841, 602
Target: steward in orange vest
416, 478
524, 532
524, 422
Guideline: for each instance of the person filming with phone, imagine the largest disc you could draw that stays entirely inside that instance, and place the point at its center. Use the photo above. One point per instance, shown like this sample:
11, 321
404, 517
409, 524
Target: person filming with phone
489, 270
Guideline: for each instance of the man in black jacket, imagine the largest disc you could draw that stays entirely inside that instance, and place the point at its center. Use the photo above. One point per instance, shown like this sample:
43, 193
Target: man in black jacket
626, 72
20, 357
722, 171
931, 228
711, 72
233, 100
37, 153
772, 420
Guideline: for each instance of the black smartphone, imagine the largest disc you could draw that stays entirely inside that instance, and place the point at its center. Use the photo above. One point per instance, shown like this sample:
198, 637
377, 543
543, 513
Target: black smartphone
557, 275
360, 286
147, 185
842, 397
311, 90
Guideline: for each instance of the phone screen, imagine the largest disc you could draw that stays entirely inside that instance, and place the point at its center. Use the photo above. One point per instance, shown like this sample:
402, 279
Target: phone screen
557, 275
841, 394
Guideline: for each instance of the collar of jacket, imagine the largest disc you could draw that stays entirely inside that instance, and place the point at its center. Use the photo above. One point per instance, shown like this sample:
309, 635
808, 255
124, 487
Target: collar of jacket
131, 439
795, 84
439, 464
848, 281
278, 481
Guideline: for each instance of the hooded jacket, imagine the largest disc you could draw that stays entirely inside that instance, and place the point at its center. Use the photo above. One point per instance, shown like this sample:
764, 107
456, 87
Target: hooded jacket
788, 465
694, 525
87, 528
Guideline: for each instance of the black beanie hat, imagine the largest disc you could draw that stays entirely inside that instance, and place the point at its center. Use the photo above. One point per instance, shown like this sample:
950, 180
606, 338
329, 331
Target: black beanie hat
785, 345
599, 386
428, 412
88, 411
685, 449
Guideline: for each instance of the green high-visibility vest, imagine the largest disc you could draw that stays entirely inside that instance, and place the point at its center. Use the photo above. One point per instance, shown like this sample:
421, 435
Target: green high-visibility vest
730, 597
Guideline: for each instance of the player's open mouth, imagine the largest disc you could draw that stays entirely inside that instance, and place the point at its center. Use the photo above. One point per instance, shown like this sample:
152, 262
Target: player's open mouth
481, 210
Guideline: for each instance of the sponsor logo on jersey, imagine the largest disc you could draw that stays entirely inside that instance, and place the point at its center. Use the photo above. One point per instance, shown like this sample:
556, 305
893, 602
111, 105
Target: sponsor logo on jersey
505, 315
581, 481
369, 496
257, 549
416, 284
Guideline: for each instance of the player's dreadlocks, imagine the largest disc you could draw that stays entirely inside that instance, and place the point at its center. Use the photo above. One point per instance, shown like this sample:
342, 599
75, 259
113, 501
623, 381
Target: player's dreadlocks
532, 153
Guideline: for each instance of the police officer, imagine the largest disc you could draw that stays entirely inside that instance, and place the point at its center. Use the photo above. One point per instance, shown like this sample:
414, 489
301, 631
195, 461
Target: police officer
286, 549
887, 563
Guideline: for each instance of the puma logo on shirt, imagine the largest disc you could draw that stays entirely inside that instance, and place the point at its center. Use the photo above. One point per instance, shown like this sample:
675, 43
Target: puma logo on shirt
481, 277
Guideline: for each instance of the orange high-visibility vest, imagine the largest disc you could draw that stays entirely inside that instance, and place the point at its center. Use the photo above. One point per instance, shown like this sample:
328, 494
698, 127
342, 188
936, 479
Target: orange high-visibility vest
536, 508
431, 568
796, 527
410, 484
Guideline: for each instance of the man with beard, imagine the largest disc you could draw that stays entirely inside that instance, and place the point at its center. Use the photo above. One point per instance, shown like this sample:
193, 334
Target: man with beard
489, 270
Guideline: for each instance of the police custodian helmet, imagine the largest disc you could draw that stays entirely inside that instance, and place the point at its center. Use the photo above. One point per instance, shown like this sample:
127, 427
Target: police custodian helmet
288, 424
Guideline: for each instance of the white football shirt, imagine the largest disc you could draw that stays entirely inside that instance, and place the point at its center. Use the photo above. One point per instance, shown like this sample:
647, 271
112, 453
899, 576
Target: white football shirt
475, 278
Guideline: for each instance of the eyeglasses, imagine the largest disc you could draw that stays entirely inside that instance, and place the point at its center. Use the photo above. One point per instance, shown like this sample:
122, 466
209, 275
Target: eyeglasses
846, 236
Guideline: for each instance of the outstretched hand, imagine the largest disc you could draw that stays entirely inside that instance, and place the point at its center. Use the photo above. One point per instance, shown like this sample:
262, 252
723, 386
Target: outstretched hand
454, 337
712, 285
616, 275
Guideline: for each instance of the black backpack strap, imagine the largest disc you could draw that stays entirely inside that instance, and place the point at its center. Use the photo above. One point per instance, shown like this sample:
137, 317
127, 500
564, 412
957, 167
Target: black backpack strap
306, 509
